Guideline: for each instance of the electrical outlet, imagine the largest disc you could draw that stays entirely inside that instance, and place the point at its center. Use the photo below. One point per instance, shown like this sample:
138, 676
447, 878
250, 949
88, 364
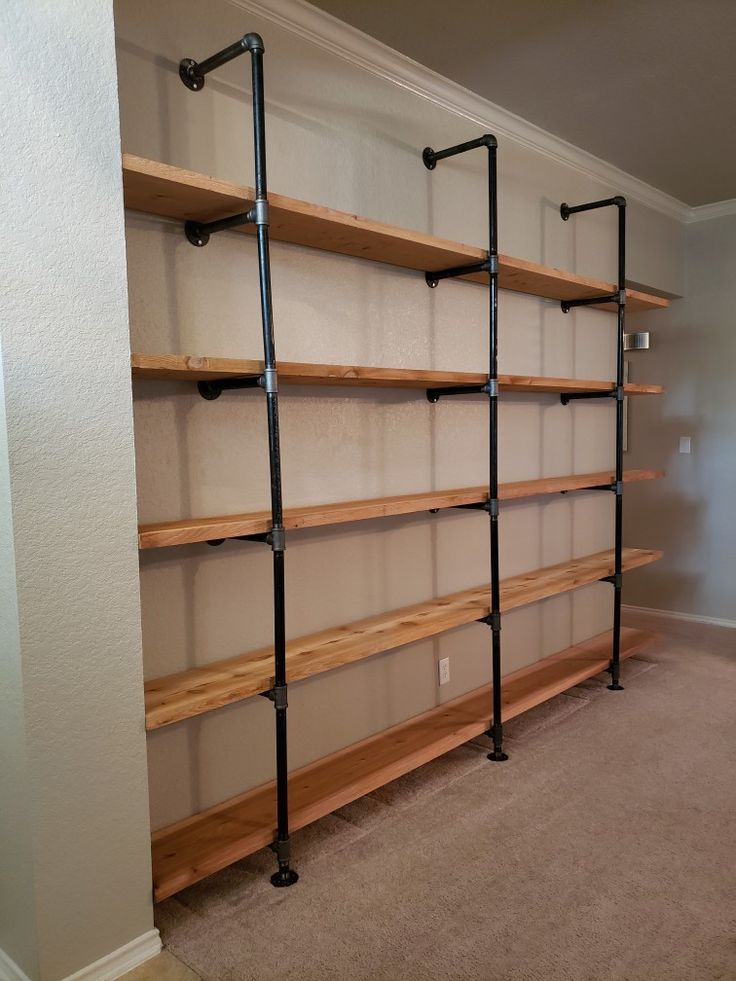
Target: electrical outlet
685, 444
443, 669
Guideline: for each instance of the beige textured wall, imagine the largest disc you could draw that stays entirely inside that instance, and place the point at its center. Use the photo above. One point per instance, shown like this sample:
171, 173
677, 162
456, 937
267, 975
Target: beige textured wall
74, 858
690, 515
339, 136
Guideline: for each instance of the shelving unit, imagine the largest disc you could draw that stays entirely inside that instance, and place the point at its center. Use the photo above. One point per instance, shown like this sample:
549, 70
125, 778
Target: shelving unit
191, 849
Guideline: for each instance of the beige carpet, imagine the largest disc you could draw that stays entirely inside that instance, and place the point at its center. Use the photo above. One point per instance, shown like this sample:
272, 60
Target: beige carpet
604, 849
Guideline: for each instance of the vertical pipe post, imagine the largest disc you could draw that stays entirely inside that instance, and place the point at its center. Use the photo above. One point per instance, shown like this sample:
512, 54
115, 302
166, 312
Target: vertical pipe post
497, 754
285, 876
430, 158
192, 74
615, 684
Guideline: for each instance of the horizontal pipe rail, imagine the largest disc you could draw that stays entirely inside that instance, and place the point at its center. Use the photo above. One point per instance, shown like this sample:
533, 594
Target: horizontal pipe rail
572, 209
589, 301
566, 397
192, 72
433, 277
435, 394
212, 390
430, 156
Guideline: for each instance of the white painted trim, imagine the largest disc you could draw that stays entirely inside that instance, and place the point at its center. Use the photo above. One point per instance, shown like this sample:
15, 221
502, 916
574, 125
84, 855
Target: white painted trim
672, 615
122, 960
359, 49
707, 212
9, 970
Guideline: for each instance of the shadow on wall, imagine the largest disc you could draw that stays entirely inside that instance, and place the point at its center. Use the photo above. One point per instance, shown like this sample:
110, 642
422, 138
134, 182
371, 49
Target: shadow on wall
672, 522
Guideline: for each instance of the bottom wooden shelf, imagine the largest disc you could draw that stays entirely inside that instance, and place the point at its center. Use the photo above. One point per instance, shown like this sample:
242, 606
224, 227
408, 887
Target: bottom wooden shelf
192, 849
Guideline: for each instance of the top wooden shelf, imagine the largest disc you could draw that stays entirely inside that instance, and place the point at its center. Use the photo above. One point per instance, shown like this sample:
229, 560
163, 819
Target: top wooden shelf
171, 192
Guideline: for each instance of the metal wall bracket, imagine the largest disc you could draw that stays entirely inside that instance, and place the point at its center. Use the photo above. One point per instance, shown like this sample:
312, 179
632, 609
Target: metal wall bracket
213, 389
433, 277
589, 301
567, 397
478, 506
198, 232
430, 156
615, 580
192, 73
435, 394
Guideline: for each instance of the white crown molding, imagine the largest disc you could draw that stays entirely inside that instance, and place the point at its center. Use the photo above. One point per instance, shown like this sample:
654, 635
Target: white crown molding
707, 212
9, 970
687, 617
359, 49
122, 960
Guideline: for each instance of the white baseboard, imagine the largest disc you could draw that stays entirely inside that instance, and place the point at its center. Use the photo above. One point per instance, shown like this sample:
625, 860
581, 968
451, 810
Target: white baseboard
672, 615
9, 970
122, 960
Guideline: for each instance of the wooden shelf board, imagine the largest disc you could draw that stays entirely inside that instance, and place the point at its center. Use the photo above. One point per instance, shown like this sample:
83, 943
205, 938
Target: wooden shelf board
171, 192
190, 530
182, 367
194, 848
176, 697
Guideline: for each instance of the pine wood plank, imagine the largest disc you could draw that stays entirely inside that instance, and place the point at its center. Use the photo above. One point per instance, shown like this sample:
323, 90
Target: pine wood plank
190, 368
172, 192
189, 530
199, 690
194, 848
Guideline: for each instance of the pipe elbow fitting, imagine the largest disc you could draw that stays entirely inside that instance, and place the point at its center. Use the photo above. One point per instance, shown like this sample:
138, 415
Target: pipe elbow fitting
619, 201
253, 43
489, 140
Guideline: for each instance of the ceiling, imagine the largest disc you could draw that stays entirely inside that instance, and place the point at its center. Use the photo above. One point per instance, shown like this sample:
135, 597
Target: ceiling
647, 85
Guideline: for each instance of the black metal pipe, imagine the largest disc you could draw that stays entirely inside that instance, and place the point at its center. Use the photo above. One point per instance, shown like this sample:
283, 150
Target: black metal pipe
214, 388
285, 876
573, 209
434, 276
198, 232
435, 394
589, 301
497, 754
192, 72
193, 76
566, 397
618, 569
618, 393
430, 158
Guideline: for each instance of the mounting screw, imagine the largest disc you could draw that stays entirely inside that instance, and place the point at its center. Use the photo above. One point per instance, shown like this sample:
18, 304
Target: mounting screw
564, 211
428, 157
190, 74
196, 235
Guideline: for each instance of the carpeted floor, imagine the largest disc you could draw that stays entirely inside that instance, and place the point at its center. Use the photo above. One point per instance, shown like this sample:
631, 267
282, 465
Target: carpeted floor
604, 849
